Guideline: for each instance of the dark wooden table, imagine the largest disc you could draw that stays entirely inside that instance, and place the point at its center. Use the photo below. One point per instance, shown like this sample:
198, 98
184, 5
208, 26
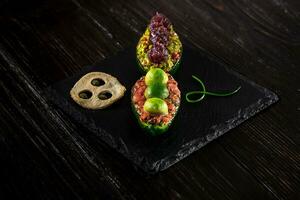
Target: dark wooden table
45, 155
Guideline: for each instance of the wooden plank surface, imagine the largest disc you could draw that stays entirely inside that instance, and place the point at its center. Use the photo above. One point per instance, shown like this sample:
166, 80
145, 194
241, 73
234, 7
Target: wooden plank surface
45, 155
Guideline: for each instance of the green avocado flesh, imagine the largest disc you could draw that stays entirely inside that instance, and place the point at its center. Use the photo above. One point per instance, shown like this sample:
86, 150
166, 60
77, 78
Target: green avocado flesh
152, 129
157, 90
156, 106
169, 65
156, 75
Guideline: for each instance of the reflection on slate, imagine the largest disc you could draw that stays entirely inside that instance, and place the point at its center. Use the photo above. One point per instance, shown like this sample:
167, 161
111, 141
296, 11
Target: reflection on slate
195, 124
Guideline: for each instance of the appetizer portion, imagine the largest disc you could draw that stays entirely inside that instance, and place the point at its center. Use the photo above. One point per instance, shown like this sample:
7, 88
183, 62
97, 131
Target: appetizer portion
97, 90
159, 46
155, 101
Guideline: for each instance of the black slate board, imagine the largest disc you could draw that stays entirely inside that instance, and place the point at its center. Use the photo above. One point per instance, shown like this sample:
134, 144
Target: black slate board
194, 126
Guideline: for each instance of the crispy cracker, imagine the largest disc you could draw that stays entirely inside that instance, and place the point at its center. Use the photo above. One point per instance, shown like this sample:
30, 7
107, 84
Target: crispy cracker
112, 86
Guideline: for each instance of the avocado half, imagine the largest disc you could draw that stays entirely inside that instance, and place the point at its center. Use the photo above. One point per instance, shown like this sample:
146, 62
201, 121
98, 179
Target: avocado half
174, 46
151, 129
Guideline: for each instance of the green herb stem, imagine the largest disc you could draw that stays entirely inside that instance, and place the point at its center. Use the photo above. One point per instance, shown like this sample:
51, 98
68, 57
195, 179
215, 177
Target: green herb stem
203, 92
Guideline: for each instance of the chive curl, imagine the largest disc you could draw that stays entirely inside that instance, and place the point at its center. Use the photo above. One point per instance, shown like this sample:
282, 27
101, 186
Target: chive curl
203, 92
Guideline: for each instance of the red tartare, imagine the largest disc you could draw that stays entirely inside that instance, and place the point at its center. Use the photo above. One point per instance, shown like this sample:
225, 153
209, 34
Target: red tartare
173, 102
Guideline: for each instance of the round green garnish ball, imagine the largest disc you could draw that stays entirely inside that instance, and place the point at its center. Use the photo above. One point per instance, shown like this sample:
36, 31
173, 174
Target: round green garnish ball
156, 106
156, 75
157, 90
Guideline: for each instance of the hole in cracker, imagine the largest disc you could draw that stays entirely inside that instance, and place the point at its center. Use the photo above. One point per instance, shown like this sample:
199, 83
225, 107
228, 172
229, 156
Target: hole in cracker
97, 82
85, 94
104, 95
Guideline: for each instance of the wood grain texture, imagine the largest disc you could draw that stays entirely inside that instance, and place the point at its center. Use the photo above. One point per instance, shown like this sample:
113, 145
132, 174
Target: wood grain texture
45, 155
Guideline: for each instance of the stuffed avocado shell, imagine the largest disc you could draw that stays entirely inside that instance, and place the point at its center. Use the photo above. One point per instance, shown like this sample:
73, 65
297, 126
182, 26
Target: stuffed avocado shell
159, 46
155, 112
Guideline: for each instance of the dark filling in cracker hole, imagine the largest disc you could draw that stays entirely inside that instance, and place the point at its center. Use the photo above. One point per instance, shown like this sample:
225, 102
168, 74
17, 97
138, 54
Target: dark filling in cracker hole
85, 94
104, 95
97, 82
